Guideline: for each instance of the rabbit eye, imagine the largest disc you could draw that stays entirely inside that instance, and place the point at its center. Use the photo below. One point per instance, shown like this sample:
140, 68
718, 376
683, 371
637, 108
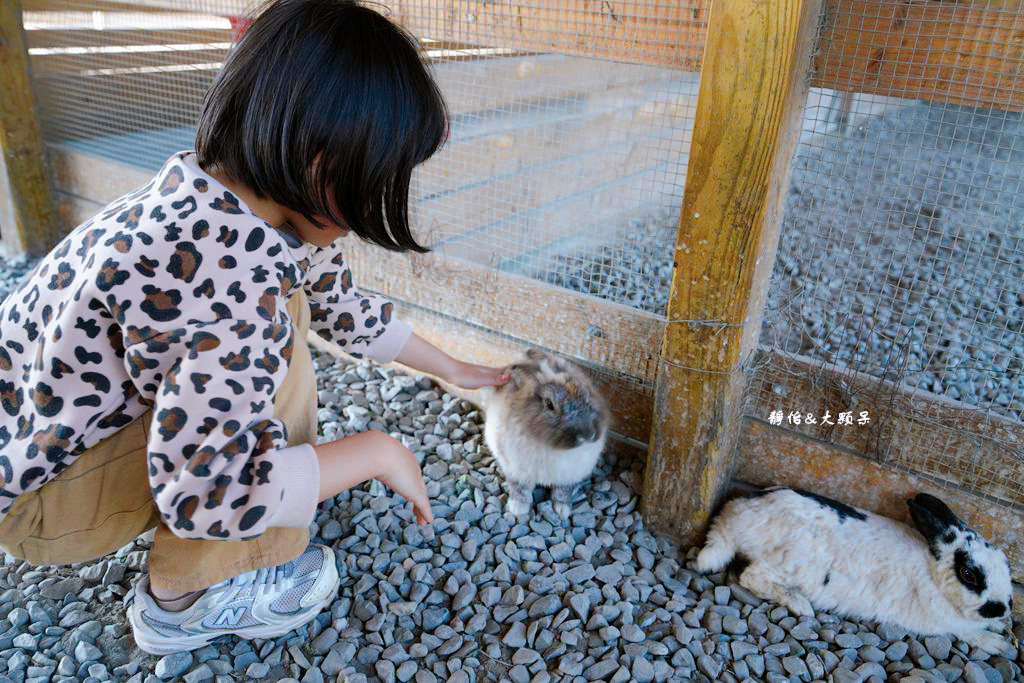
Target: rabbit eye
549, 405
968, 576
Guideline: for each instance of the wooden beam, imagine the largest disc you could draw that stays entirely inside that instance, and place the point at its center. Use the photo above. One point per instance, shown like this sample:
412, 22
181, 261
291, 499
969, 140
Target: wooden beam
968, 53
952, 442
644, 32
26, 194
752, 95
621, 339
630, 402
772, 456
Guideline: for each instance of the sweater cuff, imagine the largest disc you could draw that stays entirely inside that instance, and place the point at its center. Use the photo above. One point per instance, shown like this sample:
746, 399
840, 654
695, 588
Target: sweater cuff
301, 487
386, 347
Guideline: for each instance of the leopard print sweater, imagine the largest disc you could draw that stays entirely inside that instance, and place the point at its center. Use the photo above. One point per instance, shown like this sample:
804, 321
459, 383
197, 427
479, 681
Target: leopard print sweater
173, 298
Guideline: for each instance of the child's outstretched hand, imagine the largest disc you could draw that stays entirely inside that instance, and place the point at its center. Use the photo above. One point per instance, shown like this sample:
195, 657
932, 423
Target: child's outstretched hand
421, 355
470, 376
403, 476
346, 462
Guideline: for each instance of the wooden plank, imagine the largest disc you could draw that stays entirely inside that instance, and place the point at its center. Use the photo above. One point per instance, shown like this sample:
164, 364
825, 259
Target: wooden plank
98, 105
49, 38
98, 180
105, 65
769, 456
968, 53
948, 440
752, 95
630, 402
618, 338
646, 31
641, 31
27, 190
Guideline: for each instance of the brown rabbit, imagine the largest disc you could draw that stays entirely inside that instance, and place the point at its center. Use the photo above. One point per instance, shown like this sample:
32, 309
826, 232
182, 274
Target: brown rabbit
546, 427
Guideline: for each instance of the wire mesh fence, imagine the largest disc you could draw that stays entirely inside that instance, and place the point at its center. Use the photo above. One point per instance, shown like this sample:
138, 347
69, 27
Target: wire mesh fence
569, 132
562, 168
902, 252
897, 287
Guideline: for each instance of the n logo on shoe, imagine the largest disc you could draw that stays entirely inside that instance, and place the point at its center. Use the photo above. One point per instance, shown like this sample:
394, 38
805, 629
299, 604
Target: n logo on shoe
230, 617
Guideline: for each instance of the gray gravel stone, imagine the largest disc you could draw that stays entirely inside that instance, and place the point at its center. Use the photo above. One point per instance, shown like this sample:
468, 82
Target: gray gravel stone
171, 666
257, 670
515, 637
600, 670
85, 652
580, 574
938, 646
544, 606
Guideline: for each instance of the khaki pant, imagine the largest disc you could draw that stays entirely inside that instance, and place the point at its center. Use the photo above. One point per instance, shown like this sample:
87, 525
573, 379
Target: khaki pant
103, 500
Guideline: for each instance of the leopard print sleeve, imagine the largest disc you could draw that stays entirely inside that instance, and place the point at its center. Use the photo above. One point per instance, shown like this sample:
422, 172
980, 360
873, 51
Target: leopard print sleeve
361, 324
219, 464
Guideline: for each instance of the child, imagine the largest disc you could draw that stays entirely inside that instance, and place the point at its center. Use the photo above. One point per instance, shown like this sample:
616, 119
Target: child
153, 368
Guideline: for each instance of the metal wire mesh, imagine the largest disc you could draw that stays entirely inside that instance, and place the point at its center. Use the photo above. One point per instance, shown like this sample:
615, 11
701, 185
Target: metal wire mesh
570, 130
123, 81
563, 169
566, 169
898, 284
897, 288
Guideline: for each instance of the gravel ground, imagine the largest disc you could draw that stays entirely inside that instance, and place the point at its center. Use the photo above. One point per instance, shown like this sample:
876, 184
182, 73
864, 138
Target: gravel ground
903, 246
475, 597
479, 597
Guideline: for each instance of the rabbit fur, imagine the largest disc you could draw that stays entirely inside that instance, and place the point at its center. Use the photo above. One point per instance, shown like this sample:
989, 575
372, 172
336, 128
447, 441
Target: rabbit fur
807, 551
546, 427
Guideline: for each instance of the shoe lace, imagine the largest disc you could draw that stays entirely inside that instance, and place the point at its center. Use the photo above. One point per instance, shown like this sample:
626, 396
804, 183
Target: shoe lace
271, 576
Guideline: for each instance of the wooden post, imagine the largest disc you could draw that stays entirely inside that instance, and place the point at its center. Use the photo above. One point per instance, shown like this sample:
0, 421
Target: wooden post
26, 219
753, 89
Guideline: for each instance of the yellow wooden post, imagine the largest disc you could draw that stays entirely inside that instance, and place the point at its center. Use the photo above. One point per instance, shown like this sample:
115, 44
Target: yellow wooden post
754, 80
25, 196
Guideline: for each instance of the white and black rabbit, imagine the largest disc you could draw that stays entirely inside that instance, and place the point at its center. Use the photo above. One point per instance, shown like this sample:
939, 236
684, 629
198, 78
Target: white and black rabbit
806, 550
545, 427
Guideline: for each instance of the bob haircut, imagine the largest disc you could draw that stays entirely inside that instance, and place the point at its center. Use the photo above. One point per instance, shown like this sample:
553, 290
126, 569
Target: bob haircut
326, 107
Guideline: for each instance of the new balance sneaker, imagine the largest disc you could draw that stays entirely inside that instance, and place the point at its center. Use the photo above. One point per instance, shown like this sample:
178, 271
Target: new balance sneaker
261, 604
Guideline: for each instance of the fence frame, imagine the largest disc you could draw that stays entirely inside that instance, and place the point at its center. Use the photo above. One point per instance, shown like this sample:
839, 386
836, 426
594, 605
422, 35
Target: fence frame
753, 90
699, 438
25, 202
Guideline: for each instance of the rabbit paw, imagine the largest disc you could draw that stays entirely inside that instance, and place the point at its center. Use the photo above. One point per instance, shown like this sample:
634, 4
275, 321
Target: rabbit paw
798, 604
517, 507
992, 643
563, 509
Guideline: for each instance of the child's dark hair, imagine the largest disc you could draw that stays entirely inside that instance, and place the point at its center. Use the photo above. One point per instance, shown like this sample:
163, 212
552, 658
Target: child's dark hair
325, 107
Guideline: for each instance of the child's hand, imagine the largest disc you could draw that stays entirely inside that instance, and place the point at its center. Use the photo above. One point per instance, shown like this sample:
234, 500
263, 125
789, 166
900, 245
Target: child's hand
403, 476
346, 462
469, 376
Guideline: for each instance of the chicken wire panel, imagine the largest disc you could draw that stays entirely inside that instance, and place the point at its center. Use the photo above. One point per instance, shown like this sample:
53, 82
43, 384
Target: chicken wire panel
902, 255
124, 81
565, 168
563, 165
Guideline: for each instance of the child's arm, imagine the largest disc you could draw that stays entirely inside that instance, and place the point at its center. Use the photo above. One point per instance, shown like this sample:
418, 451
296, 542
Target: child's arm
364, 324
354, 459
419, 354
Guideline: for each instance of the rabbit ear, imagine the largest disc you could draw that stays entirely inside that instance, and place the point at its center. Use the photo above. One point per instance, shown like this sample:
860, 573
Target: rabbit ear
535, 354
933, 518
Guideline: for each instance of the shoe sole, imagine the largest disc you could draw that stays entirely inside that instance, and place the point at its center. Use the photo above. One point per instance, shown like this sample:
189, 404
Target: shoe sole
169, 647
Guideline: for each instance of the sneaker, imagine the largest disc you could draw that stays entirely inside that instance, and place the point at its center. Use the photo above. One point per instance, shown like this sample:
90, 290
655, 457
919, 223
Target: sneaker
260, 604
